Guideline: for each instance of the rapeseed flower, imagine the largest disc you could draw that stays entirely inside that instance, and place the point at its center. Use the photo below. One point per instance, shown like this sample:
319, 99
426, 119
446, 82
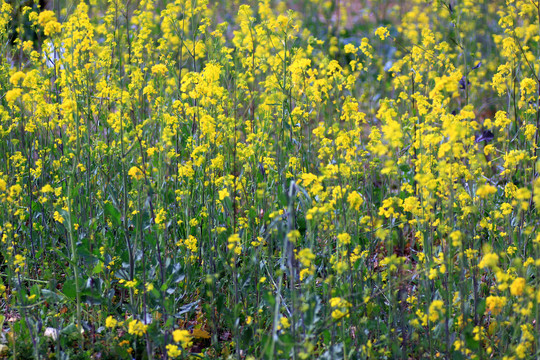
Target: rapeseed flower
518, 286
173, 351
495, 304
110, 322
489, 260
137, 328
183, 337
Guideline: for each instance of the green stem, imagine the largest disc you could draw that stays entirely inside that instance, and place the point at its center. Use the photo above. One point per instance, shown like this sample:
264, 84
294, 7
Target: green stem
74, 258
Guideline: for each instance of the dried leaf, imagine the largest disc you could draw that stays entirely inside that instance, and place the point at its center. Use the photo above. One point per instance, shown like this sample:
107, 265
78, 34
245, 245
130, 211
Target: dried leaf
200, 334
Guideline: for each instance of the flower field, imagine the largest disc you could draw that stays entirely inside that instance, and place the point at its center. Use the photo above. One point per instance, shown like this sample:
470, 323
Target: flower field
316, 179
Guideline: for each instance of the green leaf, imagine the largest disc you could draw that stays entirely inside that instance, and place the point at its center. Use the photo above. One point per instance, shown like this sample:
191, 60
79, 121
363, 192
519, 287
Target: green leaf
65, 215
269, 298
69, 330
469, 339
98, 268
50, 295
69, 289
247, 335
113, 213
64, 257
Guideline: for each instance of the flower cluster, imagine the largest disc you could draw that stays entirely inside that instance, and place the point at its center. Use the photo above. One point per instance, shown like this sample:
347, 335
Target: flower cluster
250, 179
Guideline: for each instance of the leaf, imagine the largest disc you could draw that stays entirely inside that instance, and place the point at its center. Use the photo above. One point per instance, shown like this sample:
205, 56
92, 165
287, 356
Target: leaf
50, 295
311, 316
121, 352
91, 300
70, 329
469, 339
270, 299
83, 252
65, 215
247, 335
69, 289
64, 257
113, 213
170, 291
267, 340
334, 352
187, 308
98, 268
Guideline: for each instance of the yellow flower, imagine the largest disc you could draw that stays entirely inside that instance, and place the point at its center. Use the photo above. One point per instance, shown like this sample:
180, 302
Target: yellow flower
159, 69
293, 236
285, 323
182, 336
529, 131
234, 244
137, 328
435, 310
522, 350
58, 217
13, 95
151, 151
19, 263
123, 343
517, 286
110, 322
506, 208
489, 260
501, 119
131, 283
161, 216
340, 306
511, 250
455, 236
16, 77
355, 200
223, 194
495, 304
432, 273
47, 188
306, 257
382, 32
344, 238
135, 173
173, 351
191, 243
338, 314
350, 48
486, 190
47, 20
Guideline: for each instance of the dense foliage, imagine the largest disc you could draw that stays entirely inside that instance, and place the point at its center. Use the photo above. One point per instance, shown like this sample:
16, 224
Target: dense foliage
308, 179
